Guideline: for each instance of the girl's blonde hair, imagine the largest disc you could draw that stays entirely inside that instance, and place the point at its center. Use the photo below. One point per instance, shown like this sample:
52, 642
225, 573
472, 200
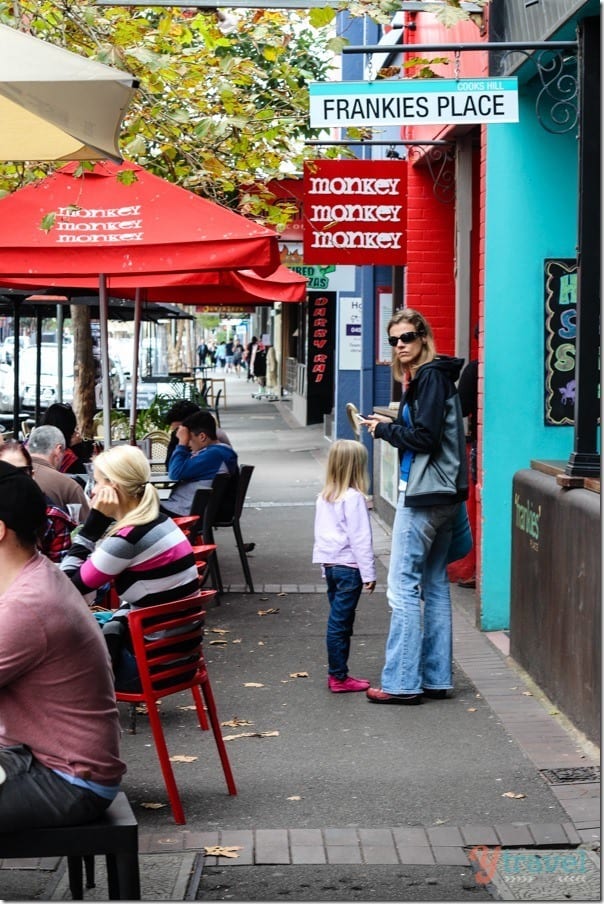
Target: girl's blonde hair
127, 468
420, 325
346, 467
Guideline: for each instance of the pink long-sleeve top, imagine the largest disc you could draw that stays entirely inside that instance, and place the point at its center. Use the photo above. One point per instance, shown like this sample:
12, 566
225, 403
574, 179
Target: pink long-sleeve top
343, 534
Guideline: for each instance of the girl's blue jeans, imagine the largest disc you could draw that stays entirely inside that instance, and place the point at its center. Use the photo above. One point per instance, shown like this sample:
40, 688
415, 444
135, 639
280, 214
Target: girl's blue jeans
419, 649
344, 586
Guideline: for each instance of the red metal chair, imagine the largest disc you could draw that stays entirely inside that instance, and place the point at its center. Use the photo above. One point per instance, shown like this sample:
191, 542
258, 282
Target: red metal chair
166, 668
186, 523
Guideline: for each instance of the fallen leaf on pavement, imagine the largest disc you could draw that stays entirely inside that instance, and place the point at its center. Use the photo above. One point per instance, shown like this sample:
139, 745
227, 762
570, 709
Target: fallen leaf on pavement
182, 758
251, 734
219, 631
513, 795
150, 806
267, 611
294, 797
263, 599
252, 684
298, 674
472, 709
188, 706
221, 643
238, 640
282, 594
216, 850
235, 722
526, 694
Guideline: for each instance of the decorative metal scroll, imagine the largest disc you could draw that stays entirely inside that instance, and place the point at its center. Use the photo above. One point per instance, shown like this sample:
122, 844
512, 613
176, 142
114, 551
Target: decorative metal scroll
439, 161
557, 104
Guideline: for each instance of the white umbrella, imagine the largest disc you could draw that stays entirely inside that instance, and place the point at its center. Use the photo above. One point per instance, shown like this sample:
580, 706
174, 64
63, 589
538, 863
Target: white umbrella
56, 105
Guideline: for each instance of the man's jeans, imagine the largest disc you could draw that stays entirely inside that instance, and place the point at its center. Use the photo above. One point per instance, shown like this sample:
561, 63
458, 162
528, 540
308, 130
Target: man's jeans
419, 655
35, 797
344, 586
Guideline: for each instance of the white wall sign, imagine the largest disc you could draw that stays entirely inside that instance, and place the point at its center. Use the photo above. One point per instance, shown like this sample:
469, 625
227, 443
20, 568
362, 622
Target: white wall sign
413, 101
350, 312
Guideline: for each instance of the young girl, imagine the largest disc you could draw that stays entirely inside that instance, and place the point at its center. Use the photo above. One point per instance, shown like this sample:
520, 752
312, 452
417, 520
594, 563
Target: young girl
343, 546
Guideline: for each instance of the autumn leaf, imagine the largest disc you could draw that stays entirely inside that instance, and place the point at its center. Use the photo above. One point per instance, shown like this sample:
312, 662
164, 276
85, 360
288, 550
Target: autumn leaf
220, 643
513, 795
526, 694
235, 722
472, 709
282, 593
298, 674
251, 734
267, 611
188, 706
150, 806
252, 684
216, 850
182, 758
294, 797
219, 631
238, 640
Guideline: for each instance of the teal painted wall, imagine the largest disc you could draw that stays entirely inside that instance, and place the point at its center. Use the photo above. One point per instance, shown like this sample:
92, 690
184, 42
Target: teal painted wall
531, 214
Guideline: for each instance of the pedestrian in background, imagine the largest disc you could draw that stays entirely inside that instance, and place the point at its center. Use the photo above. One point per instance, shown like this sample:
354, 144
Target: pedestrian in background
429, 435
344, 547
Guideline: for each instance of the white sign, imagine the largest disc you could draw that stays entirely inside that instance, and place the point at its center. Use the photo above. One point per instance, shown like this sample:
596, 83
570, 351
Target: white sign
350, 311
413, 102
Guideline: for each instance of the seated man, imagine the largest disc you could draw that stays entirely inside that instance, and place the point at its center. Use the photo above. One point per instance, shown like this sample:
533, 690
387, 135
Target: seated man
196, 461
47, 447
59, 732
174, 418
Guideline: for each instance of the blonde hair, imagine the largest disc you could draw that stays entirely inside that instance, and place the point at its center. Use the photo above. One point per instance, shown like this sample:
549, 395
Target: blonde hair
127, 468
421, 326
346, 467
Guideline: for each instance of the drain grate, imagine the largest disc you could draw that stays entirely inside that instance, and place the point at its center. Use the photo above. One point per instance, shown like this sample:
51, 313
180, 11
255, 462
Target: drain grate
568, 775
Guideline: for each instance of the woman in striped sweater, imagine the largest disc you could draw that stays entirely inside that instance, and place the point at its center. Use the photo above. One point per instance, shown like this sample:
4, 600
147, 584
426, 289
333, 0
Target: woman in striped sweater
125, 540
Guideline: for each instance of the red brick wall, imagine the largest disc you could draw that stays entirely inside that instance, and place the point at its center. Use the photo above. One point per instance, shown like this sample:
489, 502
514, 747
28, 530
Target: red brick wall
431, 257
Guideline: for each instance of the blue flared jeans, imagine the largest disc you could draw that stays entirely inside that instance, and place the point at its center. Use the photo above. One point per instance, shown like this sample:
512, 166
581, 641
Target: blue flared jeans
344, 586
419, 649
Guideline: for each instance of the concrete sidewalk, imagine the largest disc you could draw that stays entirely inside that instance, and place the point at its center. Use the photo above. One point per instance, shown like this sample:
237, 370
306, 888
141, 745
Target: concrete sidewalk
339, 799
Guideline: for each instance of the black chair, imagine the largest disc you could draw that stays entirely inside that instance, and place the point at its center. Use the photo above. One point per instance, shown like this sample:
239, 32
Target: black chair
114, 834
208, 504
213, 409
226, 519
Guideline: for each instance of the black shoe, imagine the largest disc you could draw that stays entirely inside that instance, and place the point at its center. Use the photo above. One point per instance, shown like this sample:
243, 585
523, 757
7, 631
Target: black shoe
377, 695
249, 547
435, 693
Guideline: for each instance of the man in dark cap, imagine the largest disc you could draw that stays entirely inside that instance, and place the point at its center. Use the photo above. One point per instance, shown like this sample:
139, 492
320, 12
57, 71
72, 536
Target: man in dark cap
59, 728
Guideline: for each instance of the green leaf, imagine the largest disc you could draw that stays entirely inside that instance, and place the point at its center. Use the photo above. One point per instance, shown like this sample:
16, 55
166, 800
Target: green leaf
47, 222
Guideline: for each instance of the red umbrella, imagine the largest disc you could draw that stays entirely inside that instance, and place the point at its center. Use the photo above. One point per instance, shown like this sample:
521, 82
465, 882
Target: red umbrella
120, 220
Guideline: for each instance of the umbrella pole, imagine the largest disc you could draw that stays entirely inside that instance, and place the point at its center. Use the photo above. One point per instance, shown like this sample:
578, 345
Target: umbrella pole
134, 375
59, 335
16, 394
105, 375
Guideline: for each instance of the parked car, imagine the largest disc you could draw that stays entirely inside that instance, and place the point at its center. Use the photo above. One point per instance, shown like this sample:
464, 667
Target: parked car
7, 388
7, 349
49, 379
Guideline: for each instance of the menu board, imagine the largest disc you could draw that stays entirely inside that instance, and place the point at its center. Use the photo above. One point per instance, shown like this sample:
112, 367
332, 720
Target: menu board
560, 340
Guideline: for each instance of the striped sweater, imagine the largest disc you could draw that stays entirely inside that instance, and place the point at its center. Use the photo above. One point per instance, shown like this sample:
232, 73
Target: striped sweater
148, 564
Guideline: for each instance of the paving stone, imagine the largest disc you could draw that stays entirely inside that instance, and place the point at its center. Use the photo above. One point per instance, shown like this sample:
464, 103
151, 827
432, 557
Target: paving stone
341, 836
548, 834
511, 835
452, 856
343, 853
412, 835
305, 836
479, 835
308, 853
445, 836
415, 854
272, 846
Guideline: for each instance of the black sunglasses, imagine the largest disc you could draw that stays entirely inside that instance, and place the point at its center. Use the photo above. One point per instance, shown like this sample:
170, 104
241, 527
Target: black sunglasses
404, 337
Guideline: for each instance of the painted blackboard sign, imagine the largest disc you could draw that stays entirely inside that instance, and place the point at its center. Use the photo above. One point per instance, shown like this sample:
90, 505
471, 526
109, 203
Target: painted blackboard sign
560, 340
321, 344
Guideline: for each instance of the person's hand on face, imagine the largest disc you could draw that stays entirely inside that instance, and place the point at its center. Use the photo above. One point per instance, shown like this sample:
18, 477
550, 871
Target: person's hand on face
106, 500
183, 435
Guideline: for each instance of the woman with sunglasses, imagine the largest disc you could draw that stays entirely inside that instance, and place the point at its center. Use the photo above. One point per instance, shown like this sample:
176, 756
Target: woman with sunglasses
429, 435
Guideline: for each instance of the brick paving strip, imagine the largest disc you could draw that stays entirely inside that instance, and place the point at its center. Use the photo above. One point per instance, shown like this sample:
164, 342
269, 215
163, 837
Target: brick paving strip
544, 741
